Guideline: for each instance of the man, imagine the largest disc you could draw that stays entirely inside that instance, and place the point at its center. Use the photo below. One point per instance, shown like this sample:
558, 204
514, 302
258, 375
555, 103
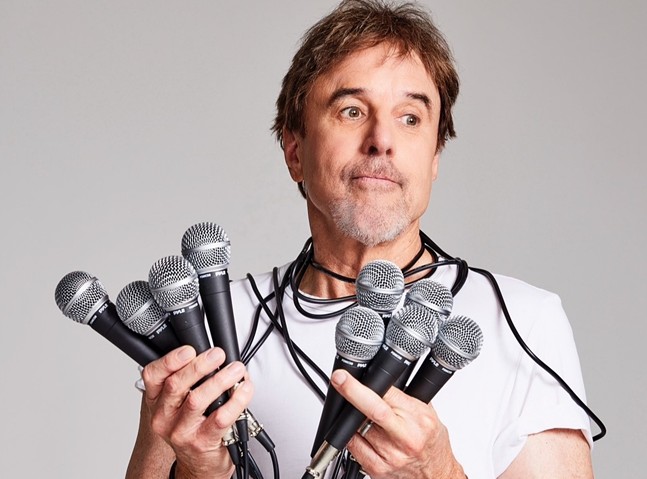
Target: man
362, 117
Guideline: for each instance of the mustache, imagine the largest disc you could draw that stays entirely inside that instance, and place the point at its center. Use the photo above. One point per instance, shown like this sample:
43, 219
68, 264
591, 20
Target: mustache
374, 167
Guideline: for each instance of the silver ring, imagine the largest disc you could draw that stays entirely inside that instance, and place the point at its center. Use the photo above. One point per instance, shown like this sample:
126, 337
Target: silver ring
365, 428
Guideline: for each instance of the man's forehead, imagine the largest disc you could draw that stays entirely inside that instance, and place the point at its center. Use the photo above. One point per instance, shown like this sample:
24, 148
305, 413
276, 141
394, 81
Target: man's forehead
350, 71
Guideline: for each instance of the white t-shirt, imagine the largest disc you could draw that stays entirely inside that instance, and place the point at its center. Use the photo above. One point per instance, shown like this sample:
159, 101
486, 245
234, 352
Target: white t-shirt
489, 407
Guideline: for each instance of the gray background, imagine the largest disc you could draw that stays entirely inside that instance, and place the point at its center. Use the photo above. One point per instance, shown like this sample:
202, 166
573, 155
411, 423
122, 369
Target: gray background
124, 122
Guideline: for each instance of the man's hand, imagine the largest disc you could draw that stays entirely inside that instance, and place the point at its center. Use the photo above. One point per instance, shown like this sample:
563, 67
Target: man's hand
406, 439
176, 410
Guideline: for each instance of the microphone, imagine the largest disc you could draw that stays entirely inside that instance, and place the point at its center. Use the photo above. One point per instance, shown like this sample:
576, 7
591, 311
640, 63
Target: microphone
432, 295
409, 333
380, 286
458, 343
358, 336
436, 298
81, 297
174, 286
141, 314
206, 246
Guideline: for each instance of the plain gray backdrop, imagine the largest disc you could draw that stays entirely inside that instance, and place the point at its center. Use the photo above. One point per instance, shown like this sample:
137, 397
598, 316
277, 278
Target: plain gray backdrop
122, 123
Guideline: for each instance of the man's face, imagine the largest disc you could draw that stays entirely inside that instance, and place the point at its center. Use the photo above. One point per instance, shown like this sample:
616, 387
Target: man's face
368, 156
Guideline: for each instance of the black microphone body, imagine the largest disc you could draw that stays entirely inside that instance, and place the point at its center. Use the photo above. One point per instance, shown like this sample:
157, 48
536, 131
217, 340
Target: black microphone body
216, 301
164, 338
335, 402
107, 323
385, 368
429, 379
207, 248
188, 324
359, 334
458, 343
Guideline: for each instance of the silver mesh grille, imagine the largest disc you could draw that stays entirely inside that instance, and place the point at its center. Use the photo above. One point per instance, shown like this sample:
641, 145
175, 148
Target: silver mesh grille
412, 330
206, 246
359, 334
137, 308
380, 285
79, 295
173, 283
459, 342
432, 295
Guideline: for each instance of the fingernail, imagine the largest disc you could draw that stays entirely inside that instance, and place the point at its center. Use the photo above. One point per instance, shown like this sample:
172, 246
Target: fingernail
185, 353
236, 368
338, 378
215, 354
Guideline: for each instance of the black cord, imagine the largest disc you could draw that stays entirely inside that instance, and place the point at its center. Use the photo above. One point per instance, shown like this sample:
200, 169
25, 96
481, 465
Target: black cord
275, 464
288, 341
276, 324
535, 358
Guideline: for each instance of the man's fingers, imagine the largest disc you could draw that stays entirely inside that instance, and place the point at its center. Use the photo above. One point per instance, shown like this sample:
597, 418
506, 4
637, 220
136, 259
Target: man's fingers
155, 373
229, 412
190, 419
365, 400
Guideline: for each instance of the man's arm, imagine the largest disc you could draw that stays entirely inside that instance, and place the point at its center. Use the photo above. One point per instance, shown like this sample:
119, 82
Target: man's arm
554, 453
151, 457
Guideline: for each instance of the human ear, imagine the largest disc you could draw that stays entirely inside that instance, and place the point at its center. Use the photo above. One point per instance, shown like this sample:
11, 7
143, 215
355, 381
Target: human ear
291, 154
434, 166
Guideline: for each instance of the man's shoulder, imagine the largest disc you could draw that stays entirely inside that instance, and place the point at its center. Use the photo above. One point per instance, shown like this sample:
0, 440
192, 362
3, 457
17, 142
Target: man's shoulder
526, 303
513, 288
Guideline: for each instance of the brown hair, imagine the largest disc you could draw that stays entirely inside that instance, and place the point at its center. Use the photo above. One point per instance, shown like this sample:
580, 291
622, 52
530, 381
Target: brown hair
359, 24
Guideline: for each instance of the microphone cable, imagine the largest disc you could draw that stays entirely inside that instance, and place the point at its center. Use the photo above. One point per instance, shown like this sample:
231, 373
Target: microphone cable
535, 358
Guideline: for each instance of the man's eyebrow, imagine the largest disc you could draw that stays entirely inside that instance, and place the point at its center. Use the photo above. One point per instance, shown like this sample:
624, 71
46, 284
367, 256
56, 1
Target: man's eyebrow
421, 97
342, 92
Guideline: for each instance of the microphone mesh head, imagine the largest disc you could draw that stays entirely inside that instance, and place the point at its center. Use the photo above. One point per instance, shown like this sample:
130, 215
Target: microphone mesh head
432, 295
359, 334
380, 285
79, 295
173, 283
206, 246
138, 310
412, 330
459, 342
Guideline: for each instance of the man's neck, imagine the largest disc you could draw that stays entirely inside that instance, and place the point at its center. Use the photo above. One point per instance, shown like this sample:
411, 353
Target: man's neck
345, 257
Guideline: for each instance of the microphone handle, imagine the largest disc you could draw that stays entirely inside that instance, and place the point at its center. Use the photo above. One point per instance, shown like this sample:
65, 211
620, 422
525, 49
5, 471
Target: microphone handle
107, 323
164, 338
188, 324
384, 370
335, 402
428, 380
216, 300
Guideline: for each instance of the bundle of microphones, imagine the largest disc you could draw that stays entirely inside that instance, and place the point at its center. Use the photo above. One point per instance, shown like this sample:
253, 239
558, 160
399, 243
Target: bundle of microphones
153, 317
382, 346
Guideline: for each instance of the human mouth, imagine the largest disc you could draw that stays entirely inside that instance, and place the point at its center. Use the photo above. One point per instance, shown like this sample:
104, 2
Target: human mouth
374, 179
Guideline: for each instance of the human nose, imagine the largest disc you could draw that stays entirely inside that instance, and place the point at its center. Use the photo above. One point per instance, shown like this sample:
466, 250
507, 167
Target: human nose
379, 137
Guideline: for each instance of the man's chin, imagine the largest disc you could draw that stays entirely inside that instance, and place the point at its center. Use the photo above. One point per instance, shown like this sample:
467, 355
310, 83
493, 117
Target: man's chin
371, 232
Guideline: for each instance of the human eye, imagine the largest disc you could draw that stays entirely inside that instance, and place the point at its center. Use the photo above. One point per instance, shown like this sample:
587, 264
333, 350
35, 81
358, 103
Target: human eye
410, 120
351, 112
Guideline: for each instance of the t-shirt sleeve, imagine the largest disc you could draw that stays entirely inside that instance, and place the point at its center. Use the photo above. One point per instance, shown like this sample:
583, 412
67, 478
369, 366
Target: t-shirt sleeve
537, 402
